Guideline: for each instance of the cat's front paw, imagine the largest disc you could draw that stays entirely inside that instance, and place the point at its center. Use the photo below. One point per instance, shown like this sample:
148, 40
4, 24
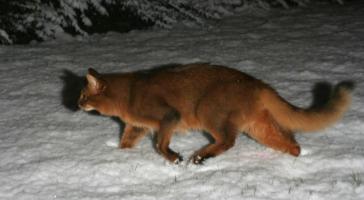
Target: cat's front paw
173, 157
178, 160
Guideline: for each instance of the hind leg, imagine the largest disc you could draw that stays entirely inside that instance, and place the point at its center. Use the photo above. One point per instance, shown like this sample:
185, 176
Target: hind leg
224, 139
266, 131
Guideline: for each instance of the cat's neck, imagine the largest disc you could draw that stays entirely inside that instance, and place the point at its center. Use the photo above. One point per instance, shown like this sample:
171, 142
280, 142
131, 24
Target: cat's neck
119, 91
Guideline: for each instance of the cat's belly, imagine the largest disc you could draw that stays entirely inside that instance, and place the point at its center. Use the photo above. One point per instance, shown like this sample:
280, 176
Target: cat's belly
188, 123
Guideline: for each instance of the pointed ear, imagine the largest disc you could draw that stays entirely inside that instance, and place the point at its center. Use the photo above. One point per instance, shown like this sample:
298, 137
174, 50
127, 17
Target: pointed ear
93, 72
95, 82
92, 80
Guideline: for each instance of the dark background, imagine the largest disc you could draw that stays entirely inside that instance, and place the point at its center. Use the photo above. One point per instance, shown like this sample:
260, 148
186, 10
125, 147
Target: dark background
23, 21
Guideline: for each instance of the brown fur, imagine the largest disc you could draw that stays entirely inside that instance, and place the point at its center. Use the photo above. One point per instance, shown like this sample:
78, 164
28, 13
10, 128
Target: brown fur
216, 99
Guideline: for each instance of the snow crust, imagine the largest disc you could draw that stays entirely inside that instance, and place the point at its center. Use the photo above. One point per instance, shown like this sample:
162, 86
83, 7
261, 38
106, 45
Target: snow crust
50, 152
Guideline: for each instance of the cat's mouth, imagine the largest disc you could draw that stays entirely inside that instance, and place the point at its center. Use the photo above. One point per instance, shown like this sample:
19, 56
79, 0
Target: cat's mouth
86, 107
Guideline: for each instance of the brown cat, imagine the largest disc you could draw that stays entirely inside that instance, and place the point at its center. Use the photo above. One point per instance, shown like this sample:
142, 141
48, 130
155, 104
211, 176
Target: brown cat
216, 99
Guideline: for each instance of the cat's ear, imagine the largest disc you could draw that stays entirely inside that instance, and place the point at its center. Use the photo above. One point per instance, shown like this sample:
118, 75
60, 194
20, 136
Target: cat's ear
93, 72
95, 82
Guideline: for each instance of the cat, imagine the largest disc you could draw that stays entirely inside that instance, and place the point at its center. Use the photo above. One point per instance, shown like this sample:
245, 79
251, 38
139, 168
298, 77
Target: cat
216, 99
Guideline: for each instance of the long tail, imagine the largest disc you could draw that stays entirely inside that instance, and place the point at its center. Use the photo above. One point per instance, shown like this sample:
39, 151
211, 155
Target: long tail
310, 119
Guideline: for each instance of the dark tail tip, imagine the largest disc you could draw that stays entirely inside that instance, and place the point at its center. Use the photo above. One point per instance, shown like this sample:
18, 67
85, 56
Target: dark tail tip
345, 85
321, 95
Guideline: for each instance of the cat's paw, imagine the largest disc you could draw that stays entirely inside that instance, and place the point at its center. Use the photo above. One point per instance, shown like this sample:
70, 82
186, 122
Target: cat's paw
178, 160
199, 160
295, 151
171, 155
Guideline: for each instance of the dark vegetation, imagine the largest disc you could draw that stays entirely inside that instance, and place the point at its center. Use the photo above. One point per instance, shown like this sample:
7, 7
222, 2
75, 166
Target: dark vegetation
23, 21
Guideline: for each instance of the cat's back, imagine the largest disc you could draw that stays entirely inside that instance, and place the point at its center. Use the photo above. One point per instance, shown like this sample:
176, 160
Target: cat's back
196, 74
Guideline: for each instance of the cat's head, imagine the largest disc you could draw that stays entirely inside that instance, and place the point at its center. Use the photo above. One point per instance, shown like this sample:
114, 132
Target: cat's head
93, 95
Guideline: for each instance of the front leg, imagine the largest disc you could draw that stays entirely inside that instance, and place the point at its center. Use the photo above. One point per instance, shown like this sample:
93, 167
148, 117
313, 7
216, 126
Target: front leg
131, 136
167, 126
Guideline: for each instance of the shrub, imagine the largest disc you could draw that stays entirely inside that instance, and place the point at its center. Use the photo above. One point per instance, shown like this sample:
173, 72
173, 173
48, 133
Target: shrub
23, 21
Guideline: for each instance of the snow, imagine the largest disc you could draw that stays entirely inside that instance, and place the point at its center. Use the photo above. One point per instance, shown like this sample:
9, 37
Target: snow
4, 36
50, 152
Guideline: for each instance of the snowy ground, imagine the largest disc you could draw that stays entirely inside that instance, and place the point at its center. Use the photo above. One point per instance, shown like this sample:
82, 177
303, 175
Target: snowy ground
48, 151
